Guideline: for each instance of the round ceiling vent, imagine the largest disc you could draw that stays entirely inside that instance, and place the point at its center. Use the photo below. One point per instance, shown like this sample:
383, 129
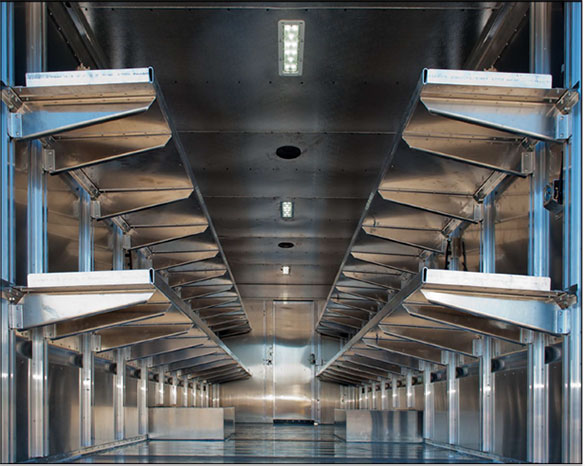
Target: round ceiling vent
288, 152
286, 245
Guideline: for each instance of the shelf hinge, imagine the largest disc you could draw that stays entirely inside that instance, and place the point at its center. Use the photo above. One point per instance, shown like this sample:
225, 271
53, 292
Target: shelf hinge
15, 318
15, 125
9, 292
10, 99
568, 297
48, 160
527, 162
567, 101
95, 209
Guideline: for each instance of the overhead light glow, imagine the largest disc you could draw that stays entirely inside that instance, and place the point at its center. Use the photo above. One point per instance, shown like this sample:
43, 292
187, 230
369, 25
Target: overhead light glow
286, 209
285, 269
291, 42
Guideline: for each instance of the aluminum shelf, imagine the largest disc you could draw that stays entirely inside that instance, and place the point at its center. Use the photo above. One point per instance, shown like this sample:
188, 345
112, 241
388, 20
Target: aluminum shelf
123, 308
110, 132
440, 311
462, 134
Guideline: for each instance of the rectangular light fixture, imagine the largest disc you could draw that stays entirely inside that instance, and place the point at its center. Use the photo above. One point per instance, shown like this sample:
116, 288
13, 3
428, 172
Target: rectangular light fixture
285, 269
291, 42
287, 209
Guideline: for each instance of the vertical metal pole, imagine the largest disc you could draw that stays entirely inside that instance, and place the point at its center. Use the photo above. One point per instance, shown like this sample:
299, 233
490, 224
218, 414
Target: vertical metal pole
384, 394
488, 241
572, 245
173, 400
537, 418
185, 390
36, 22
409, 390
7, 246
486, 350
395, 399
160, 387
374, 404
86, 387
216, 396
118, 249
487, 408
194, 394
86, 374
429, 409
143, 398
450, 359
120, 393
38, 396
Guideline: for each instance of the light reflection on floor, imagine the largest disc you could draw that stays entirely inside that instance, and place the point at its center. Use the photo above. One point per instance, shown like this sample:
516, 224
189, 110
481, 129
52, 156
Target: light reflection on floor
267, 443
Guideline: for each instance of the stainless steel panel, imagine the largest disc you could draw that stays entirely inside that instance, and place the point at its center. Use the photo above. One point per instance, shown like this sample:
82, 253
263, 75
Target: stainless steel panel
402, 398
182, 423
253, 397
441, 422
366, 425
62, 226
329, 399
63, 409
419, 397
131, 407
152, 386
469, 421
104, 407
510, 413
293, 326
511, 227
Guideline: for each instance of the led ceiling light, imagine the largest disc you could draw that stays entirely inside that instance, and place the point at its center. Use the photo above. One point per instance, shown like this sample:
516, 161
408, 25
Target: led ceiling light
285, 269
291, 41
287, 209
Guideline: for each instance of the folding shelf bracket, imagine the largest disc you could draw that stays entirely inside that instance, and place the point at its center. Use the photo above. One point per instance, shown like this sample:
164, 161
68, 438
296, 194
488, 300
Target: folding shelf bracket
483, 127
469, 303
76, 302
89, 122
57, 297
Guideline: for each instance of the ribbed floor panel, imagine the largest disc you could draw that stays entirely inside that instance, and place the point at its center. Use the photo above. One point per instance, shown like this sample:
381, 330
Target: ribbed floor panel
265, 443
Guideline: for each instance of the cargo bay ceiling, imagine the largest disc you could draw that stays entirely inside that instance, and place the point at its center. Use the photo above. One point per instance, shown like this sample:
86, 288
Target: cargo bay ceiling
217, 66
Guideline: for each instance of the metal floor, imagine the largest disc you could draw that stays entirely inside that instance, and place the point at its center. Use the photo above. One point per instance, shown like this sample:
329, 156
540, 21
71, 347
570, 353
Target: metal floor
266, 443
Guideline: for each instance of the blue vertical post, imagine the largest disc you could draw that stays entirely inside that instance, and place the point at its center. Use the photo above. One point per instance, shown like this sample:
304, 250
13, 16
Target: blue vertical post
572, 244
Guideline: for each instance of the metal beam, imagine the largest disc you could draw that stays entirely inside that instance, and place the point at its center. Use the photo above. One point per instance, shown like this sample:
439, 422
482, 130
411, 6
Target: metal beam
120, 393
572, 433
181, 355
498, 32
192, 339
38, 410
143, 397
77, 33
540, 29
7, 246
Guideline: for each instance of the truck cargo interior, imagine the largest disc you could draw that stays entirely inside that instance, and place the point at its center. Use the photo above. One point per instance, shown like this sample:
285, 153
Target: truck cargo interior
291, 232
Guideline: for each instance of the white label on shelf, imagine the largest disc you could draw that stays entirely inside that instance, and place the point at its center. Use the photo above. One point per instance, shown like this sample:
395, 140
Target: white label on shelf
80, 78
487, 78
97, 278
